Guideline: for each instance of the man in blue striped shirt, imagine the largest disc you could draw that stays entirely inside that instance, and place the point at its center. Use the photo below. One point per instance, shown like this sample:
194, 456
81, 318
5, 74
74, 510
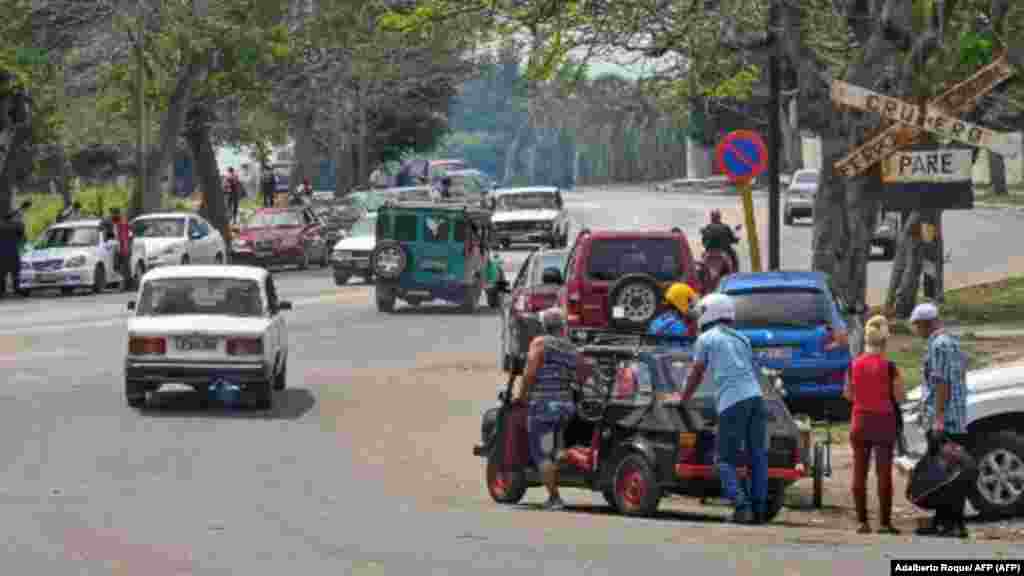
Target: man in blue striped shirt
944, 407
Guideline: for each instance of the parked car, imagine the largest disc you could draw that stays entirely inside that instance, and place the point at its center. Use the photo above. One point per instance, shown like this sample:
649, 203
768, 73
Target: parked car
351, 255
428, 251
995, 428
886, 235
178, 238
799, 202
795, 325
75, 254
194, 325
530, 215
534, 289
617, 279
282, 236
631, 442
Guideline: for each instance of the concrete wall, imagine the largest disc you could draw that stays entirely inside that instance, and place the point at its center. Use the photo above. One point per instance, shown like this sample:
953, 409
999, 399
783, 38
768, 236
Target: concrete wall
1014, 167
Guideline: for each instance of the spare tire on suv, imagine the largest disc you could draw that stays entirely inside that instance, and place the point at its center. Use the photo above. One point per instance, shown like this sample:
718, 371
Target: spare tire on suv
389, 260
638, 297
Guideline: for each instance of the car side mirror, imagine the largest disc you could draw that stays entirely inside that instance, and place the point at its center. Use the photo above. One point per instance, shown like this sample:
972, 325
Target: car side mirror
284, 305
131, 305
552, 276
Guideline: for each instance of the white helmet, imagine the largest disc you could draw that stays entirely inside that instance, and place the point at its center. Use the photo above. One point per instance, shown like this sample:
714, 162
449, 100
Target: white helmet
715, 307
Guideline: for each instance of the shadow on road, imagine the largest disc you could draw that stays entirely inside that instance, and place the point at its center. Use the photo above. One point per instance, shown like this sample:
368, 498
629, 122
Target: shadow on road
443, 309
289, 404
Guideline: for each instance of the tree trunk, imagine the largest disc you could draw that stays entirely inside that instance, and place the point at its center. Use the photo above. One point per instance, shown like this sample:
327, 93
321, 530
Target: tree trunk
512, 155
170, 129
305, 149
792, 141
997, 174
363, 165
906, 273
64, 176
15, 131
201, 146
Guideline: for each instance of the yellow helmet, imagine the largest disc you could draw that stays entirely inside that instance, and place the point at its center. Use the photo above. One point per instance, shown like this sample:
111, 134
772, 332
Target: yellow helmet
680, 295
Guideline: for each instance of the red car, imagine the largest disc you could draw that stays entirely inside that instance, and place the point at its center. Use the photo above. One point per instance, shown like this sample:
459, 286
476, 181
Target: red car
615, 280
282, 236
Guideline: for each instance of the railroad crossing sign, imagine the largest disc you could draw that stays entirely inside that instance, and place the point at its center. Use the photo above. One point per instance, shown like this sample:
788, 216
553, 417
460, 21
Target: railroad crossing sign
959, 99
743, 155
931, 118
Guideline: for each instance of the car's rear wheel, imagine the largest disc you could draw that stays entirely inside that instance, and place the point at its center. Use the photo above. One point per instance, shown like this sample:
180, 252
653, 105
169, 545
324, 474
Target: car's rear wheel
388, 260
263, 396
342, 278
385, 299
218, 259
281, 379
636, 489
134, 394
99, 279
998, 491
503, 486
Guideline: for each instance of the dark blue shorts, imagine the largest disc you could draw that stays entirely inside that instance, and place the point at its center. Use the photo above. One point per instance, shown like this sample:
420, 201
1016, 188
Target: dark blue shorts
546, 426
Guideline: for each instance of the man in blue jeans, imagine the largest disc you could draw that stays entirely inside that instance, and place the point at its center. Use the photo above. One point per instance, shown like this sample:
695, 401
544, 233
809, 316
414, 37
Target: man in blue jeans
727, 355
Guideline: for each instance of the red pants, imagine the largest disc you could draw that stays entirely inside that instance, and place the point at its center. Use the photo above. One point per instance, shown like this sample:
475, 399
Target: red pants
873, 433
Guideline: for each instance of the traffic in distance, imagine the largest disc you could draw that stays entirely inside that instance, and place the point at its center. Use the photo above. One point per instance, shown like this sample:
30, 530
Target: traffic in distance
639, 420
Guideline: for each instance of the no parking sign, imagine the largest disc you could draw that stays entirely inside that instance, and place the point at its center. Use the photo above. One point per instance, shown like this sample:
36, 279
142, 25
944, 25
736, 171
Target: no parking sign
743, 155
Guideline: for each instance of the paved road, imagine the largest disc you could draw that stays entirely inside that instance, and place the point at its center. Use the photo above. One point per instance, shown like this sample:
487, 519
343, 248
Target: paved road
363, 467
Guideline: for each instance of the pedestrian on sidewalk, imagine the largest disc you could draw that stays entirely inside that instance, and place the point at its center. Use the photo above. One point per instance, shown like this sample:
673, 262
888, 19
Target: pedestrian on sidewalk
944, 411
269, 185
234, 189
742, 420
874, 388
124, 248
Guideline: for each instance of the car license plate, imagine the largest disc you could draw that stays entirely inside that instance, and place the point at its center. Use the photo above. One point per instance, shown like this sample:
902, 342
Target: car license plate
776, 353
195, 343
47, 278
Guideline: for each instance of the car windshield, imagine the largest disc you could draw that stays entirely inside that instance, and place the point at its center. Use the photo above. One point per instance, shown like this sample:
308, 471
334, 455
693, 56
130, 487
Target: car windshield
160, 228
66, 236
613, 258
807, 178
366, 227
274, 219
528, 201
220, 296
786, 308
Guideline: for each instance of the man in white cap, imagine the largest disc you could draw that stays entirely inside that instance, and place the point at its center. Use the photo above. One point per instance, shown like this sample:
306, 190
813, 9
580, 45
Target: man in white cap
944, 408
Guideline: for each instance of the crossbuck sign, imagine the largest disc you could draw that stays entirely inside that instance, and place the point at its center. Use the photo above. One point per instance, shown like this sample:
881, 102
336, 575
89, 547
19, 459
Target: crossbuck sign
937, 117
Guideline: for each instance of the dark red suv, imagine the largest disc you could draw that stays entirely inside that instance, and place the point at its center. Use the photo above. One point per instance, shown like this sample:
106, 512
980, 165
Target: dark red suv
615, 280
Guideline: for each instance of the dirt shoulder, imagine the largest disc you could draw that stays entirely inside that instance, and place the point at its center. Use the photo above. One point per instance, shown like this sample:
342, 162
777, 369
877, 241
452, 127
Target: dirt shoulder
412, 431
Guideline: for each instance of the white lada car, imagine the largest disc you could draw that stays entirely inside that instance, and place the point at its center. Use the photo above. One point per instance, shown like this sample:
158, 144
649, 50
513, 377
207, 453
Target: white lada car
199, 325
75, 254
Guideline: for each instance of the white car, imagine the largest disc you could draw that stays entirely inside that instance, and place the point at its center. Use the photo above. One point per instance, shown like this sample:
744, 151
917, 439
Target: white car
179, 238
75, 254
995, 425
535, 214
799, 202
194, 325
351, 255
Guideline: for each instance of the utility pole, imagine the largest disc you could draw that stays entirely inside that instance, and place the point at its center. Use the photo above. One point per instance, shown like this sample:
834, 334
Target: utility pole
140, 111
774, 142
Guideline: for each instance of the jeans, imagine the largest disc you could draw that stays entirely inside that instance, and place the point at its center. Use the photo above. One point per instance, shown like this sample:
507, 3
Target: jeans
744, 425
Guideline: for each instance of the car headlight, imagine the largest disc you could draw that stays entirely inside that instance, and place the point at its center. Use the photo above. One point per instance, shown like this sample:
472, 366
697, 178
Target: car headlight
75, 262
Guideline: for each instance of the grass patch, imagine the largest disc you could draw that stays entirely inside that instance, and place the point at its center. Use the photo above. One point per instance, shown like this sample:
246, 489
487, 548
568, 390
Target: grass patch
908, 354
95, 200
1001, 302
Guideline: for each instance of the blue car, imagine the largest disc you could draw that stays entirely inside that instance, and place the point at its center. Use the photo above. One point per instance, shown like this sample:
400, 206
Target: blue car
791, 318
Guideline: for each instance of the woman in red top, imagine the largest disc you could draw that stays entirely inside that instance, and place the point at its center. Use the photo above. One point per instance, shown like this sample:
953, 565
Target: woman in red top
874, 384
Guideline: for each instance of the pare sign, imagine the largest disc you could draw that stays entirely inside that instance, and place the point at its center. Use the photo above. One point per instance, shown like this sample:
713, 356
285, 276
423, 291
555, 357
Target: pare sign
936, 165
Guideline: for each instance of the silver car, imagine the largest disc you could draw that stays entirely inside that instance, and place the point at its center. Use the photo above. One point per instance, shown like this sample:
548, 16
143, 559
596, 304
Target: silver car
799, 201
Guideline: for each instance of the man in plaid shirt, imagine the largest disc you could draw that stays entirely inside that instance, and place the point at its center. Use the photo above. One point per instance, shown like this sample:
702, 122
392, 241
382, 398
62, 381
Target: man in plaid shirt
944, 407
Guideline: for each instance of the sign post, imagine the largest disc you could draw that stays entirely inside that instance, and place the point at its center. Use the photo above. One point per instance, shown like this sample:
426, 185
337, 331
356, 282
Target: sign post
744, 156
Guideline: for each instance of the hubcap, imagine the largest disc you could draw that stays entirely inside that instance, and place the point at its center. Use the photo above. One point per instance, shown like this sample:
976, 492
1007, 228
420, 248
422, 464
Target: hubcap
631, 487
1001, 477
638, 303
388, 261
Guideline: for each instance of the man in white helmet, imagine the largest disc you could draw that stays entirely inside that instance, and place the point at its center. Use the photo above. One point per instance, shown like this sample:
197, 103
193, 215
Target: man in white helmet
727, 356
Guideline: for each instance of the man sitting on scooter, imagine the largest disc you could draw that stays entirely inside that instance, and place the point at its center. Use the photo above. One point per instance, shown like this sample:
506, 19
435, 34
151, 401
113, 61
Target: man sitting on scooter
719, 236
677, 321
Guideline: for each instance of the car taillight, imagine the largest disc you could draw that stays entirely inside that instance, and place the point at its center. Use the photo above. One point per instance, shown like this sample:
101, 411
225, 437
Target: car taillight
687, 447
244, 346
141, 346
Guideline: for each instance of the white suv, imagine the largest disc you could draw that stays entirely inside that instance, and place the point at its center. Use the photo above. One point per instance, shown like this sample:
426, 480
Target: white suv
799, 201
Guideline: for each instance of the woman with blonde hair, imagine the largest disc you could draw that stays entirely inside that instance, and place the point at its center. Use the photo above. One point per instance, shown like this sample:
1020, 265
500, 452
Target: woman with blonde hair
874, 387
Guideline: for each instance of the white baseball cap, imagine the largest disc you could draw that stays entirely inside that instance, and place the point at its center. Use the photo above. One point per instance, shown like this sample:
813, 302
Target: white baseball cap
926, 311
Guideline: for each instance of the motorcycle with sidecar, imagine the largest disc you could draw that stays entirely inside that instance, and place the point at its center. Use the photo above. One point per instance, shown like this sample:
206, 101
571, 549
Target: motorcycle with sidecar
632, 442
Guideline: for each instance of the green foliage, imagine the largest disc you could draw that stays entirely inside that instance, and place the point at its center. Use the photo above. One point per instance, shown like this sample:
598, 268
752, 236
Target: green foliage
95, 200
975, 50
